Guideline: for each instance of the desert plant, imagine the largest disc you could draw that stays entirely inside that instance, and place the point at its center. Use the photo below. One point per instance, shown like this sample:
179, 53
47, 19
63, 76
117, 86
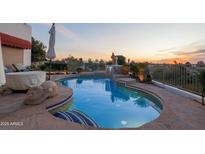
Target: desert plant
134, 69
139, 69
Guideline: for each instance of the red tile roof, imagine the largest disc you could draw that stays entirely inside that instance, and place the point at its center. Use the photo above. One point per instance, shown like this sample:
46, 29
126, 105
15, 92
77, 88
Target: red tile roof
12, 41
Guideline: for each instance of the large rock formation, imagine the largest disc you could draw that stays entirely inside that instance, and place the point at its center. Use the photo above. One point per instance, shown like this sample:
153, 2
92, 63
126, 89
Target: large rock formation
50, 87
35, 95
38, 95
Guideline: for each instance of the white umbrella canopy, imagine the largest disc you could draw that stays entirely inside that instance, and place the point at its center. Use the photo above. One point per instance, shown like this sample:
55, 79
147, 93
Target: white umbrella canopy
2, 74
51, 49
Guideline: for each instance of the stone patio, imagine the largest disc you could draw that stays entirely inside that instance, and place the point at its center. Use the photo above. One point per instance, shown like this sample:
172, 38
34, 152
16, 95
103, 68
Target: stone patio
15, 115
178, 112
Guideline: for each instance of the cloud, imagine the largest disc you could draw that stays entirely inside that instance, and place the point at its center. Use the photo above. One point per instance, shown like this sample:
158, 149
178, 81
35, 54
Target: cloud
171, 60
62, 30
169, 49
194, 48
66, 32
193, 52
197, 44
196, 52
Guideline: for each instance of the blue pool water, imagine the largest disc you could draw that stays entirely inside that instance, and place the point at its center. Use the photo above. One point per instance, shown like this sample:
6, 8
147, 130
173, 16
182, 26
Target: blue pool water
112, 105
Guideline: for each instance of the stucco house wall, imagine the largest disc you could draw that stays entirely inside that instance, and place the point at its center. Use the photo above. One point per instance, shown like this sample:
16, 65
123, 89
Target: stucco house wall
11, 54
22, 31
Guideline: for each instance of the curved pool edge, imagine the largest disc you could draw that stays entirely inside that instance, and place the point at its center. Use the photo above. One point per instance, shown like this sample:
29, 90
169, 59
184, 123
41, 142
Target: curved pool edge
125, 84
37, 117
166, 119
59, 103
57, 106
128, 85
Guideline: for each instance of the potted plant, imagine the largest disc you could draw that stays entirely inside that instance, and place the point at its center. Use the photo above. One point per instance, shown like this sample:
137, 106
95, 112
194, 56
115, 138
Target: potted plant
142, 71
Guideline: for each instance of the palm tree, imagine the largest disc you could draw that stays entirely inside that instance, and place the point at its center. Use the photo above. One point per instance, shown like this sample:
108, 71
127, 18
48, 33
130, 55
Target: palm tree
202, 82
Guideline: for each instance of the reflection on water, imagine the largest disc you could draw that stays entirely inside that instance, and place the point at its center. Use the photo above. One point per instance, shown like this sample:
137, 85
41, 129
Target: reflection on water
111, 105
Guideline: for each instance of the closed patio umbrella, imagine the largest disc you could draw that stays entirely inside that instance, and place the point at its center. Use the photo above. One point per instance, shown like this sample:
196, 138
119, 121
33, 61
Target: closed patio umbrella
51, 49
2, 74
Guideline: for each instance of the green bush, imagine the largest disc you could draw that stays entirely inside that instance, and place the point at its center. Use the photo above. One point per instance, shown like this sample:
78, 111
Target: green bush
79, 69
134, 69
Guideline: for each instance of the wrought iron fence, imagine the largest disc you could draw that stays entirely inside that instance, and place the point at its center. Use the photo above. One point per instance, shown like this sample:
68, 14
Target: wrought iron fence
182, 76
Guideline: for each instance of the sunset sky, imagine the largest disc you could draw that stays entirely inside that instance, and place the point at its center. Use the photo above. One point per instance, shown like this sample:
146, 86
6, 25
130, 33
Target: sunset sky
161, 43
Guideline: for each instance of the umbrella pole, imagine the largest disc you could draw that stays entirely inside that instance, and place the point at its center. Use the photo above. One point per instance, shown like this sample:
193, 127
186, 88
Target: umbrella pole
49, 69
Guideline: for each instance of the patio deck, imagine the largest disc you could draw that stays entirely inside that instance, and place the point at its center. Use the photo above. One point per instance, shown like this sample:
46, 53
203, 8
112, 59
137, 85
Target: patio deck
178, 112
15, 115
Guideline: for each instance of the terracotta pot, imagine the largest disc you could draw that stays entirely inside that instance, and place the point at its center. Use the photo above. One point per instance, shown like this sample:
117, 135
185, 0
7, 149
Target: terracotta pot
141, 75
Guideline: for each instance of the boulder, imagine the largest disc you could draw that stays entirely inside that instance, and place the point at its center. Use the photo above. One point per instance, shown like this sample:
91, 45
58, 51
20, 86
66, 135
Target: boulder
4, 90
36, 95
50, 87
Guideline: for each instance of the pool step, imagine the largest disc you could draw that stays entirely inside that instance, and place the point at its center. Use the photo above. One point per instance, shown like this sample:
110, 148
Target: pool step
76, 116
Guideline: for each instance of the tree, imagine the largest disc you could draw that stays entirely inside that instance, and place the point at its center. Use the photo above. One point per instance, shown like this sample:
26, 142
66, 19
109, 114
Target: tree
38, 51
101, 64
121, 60
101, 61
90, 60
96, 60
73, 64
80, 61
202, 82
175, 62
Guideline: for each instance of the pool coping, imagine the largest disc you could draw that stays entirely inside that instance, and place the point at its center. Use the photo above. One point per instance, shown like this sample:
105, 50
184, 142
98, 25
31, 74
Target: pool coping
143, 90
60, 103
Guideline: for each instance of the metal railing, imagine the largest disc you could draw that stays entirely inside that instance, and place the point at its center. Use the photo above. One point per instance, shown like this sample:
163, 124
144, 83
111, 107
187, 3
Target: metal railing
182, 76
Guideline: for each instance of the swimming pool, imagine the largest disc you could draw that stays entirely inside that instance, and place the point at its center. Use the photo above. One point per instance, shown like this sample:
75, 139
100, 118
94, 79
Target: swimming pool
110, 104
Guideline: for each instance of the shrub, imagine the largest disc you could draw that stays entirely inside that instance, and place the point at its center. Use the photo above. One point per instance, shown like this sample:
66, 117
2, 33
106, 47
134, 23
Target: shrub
79, 69
134, 69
